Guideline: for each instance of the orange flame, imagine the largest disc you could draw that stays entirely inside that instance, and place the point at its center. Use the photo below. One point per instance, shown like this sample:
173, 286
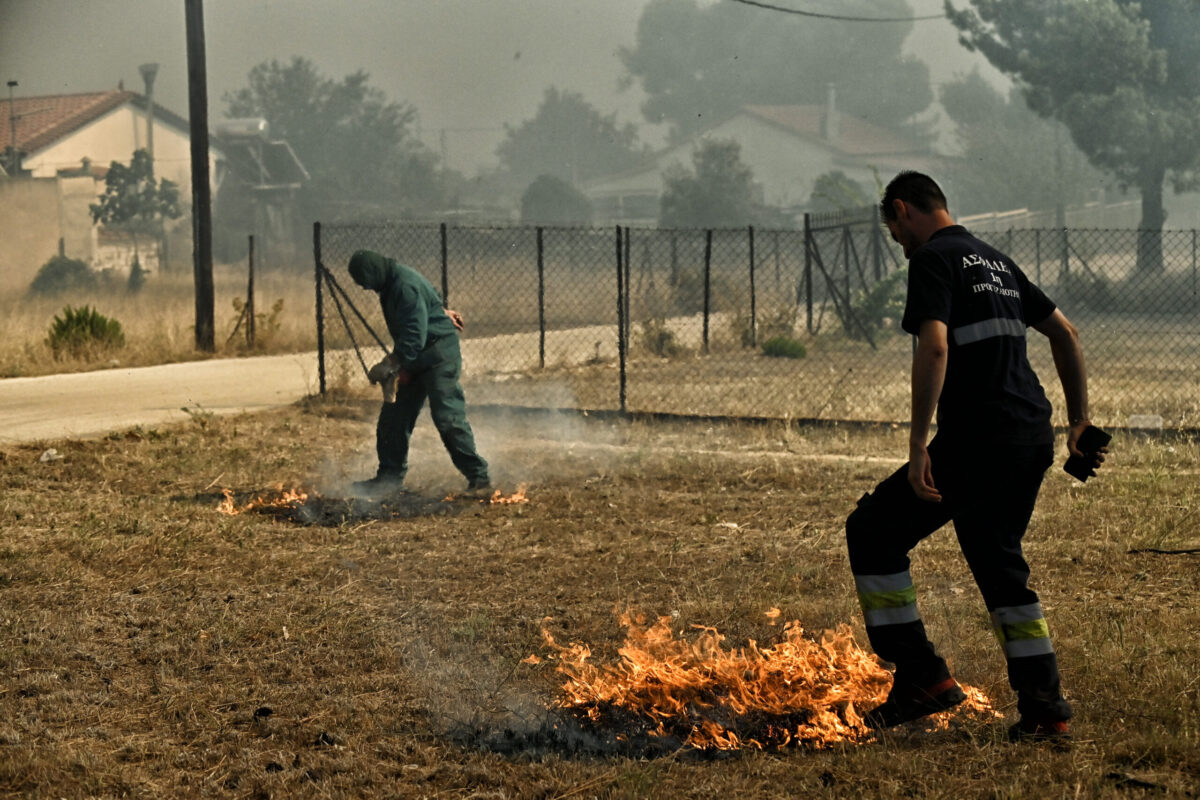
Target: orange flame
285, 498
799, 691
497, 498
516, 497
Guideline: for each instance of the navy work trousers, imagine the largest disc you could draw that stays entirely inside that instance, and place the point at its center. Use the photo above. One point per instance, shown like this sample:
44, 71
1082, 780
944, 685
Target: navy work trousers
989, 495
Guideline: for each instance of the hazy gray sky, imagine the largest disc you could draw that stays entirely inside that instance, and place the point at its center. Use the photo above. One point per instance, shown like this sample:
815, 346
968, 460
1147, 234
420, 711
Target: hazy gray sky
464, 64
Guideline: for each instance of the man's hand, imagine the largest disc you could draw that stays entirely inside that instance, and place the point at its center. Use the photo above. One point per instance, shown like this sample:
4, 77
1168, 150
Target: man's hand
456, 318
1076, 430
381, 372
920, 474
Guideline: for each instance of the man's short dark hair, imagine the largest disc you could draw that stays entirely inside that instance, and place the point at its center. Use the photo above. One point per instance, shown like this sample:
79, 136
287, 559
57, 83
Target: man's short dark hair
914, 188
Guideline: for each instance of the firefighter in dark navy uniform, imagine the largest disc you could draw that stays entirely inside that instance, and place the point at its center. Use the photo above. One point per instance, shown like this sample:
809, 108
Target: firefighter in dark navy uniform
970, 307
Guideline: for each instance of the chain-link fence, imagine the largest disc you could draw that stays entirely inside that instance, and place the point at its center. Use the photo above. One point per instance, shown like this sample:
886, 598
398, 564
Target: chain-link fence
793, 324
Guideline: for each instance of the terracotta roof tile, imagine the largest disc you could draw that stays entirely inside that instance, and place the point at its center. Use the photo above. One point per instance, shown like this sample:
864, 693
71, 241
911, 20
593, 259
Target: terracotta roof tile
40, 121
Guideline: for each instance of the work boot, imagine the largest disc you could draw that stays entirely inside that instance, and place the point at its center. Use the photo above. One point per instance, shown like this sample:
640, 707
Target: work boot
906, 703
384, 484
1032, 730
479, 484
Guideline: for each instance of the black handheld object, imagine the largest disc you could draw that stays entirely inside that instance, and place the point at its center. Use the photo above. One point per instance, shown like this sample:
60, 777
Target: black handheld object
1090, 441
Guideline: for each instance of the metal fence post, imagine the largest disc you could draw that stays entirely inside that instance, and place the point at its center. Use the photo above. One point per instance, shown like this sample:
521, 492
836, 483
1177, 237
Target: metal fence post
620, 321
753, 299
707, 282
541, 302
808, 298
445, 270
320, 307
628, 281
250, 296
846, 262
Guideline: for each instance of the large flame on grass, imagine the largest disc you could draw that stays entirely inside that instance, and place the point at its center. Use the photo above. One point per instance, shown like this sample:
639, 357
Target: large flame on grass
801, 691
284, 498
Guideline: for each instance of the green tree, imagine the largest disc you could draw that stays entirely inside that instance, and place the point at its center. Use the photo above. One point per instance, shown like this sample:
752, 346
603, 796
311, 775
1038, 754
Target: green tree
698, 63
837, 191
1121, 75
1011, 157
569, 139
133, 201
360, 150
717, 193
551, 201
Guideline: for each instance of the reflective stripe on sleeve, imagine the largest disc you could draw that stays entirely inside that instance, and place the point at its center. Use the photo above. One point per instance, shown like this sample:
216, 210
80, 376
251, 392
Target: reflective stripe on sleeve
989, 328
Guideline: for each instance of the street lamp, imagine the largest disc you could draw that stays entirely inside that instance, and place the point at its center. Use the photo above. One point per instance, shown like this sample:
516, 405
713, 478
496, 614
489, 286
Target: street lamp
12, 130
148, 72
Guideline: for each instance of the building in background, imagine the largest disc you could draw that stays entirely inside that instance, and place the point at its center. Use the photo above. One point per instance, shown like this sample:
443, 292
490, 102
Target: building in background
63, 146
786, 146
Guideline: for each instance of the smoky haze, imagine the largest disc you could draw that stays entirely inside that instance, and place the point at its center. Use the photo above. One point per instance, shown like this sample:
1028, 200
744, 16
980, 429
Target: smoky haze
467, 66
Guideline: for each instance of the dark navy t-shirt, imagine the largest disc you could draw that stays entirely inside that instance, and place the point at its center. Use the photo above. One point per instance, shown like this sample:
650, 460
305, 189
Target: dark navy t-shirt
991, 393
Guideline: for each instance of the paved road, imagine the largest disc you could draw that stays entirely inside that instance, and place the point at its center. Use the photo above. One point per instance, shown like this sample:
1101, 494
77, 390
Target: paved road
87, 404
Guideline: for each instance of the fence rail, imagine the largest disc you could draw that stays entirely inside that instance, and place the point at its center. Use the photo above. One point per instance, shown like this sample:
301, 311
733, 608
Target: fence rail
790, 324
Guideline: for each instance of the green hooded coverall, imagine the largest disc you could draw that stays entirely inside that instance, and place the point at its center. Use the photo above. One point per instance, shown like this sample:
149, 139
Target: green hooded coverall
426, 348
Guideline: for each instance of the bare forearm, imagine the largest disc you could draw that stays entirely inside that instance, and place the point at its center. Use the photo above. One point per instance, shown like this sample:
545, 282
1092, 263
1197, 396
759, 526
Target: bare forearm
1068, 361
928, 376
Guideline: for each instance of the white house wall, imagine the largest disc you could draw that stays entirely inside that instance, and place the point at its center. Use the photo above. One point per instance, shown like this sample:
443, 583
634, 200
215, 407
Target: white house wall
114, 137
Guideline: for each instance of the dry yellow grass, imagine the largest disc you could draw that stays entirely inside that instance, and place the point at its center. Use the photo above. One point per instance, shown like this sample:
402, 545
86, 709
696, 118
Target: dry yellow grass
159, 321
152, 647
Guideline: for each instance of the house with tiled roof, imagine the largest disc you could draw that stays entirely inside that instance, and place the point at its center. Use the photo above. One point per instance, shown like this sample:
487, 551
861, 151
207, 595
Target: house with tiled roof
56, 150
787, 147
55, 133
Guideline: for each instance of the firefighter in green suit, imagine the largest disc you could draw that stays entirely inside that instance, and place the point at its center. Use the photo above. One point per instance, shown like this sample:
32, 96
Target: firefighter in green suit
425, 364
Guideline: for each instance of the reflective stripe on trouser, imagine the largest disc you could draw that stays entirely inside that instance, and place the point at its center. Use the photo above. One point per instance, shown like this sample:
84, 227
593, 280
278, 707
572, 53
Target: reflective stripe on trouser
887, 599
1022, 630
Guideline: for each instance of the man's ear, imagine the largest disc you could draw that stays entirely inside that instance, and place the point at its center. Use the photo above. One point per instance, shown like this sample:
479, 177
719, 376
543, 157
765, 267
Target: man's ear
900, 207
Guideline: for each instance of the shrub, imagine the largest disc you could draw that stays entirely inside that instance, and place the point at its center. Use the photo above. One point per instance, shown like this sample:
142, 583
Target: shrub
784, 347
779, 322
266, 324
61, 274
879, 306
689, 293
84, 332
659, 339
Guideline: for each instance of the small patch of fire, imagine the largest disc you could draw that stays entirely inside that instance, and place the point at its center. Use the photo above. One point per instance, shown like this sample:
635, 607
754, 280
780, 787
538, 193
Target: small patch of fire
497, 497
286, 498
800, 691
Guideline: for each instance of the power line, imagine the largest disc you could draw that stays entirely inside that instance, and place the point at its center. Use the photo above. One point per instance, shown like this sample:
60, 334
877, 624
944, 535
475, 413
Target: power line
840, 17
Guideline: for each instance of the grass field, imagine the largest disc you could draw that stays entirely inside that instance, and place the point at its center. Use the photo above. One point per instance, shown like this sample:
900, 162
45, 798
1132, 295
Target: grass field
151, 646
159, 321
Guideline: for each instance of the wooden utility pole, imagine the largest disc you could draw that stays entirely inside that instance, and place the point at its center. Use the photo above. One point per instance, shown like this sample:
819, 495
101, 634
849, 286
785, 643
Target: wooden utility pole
201, 191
